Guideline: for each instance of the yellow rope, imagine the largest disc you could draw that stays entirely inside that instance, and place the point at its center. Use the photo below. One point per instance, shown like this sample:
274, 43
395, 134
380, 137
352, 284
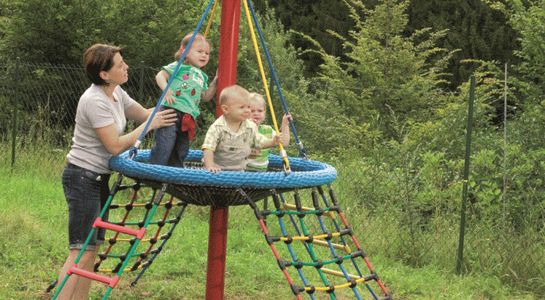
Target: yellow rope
265, 86
292, 206
339, 274
340, 286
336, 246
306, 238
211, 19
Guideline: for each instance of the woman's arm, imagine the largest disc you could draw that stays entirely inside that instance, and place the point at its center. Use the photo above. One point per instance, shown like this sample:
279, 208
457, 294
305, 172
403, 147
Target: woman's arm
116, 144
138, 113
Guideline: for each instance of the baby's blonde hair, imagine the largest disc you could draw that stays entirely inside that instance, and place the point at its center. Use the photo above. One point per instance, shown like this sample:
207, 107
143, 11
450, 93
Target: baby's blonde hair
233, 92
257, 99
185, 41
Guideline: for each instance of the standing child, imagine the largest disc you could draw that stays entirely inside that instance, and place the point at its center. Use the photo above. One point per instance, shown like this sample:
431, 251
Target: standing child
230, 139
189, 86
259, 158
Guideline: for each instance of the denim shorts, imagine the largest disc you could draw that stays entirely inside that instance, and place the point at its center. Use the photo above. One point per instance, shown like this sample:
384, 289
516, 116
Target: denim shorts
86, 192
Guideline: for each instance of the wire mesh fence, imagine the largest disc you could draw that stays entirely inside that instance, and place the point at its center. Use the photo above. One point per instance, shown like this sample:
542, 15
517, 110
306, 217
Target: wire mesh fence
37, 110
38, 101
395, 221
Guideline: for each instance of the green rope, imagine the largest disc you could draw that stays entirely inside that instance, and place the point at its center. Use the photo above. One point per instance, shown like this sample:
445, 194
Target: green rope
135, 245
310, 246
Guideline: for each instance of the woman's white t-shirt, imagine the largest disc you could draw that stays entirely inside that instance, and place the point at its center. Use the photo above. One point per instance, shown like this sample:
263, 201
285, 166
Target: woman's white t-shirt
96, 110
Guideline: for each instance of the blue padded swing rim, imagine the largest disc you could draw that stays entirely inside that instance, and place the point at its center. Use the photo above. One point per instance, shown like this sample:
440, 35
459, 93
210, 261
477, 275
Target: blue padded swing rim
304, 173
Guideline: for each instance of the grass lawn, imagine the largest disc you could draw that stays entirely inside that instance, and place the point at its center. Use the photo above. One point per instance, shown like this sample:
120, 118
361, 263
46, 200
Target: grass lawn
34, 245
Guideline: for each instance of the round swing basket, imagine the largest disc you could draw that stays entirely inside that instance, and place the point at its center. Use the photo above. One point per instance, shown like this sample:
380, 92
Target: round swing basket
196, 185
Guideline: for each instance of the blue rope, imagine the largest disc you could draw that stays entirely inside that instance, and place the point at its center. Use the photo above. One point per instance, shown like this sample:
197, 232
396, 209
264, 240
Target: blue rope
302, 151
134, 150
338, 228
334, 253
296, 227
293, 255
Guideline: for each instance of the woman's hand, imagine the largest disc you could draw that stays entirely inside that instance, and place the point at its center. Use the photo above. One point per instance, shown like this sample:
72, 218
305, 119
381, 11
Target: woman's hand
163, 118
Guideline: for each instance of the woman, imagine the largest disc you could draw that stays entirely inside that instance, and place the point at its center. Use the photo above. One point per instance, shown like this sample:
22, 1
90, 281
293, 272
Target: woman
99, 133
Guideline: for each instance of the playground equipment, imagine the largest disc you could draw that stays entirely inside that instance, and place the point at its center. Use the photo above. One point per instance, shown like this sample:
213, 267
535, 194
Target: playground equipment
299, 188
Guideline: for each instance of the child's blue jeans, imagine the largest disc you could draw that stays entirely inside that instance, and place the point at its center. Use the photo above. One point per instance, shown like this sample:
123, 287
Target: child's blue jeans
171, 144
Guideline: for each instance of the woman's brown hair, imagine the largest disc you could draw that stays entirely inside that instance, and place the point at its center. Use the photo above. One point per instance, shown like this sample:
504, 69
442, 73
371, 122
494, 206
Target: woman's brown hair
98, 58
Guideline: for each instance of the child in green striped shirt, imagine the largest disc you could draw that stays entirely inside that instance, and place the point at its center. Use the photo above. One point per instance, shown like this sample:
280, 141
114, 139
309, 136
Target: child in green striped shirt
259, 159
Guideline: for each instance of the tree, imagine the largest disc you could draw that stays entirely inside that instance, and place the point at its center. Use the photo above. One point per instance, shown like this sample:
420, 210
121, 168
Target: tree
476, 30
529, 22
473, 27
57, 32
386, 82
312, 18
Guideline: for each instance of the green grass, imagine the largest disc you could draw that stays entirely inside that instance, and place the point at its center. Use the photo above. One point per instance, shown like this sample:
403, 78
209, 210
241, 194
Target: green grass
34, 245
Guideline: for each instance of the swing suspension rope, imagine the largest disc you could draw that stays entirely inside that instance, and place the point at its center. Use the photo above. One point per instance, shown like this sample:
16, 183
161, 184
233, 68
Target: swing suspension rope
249, 7
283, 153
211, 18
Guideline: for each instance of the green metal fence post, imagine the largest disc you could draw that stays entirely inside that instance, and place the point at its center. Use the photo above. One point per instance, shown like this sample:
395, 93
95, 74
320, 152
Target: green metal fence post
14, 117
460, 256
13, 135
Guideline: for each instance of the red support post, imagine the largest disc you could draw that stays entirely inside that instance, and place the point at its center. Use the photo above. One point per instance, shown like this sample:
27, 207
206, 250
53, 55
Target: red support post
228, 48
219, 216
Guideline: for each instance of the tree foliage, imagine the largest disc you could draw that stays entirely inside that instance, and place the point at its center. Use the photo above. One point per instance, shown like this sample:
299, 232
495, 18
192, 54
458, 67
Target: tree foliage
312, 18
57, 32
528, 22
387, 81
478, 31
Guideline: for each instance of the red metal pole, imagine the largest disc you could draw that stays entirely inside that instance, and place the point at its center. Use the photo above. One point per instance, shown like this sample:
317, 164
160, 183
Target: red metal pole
227, 62
219, 215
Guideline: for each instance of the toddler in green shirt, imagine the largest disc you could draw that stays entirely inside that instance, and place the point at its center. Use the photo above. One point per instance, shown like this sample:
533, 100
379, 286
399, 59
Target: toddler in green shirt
259, 158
